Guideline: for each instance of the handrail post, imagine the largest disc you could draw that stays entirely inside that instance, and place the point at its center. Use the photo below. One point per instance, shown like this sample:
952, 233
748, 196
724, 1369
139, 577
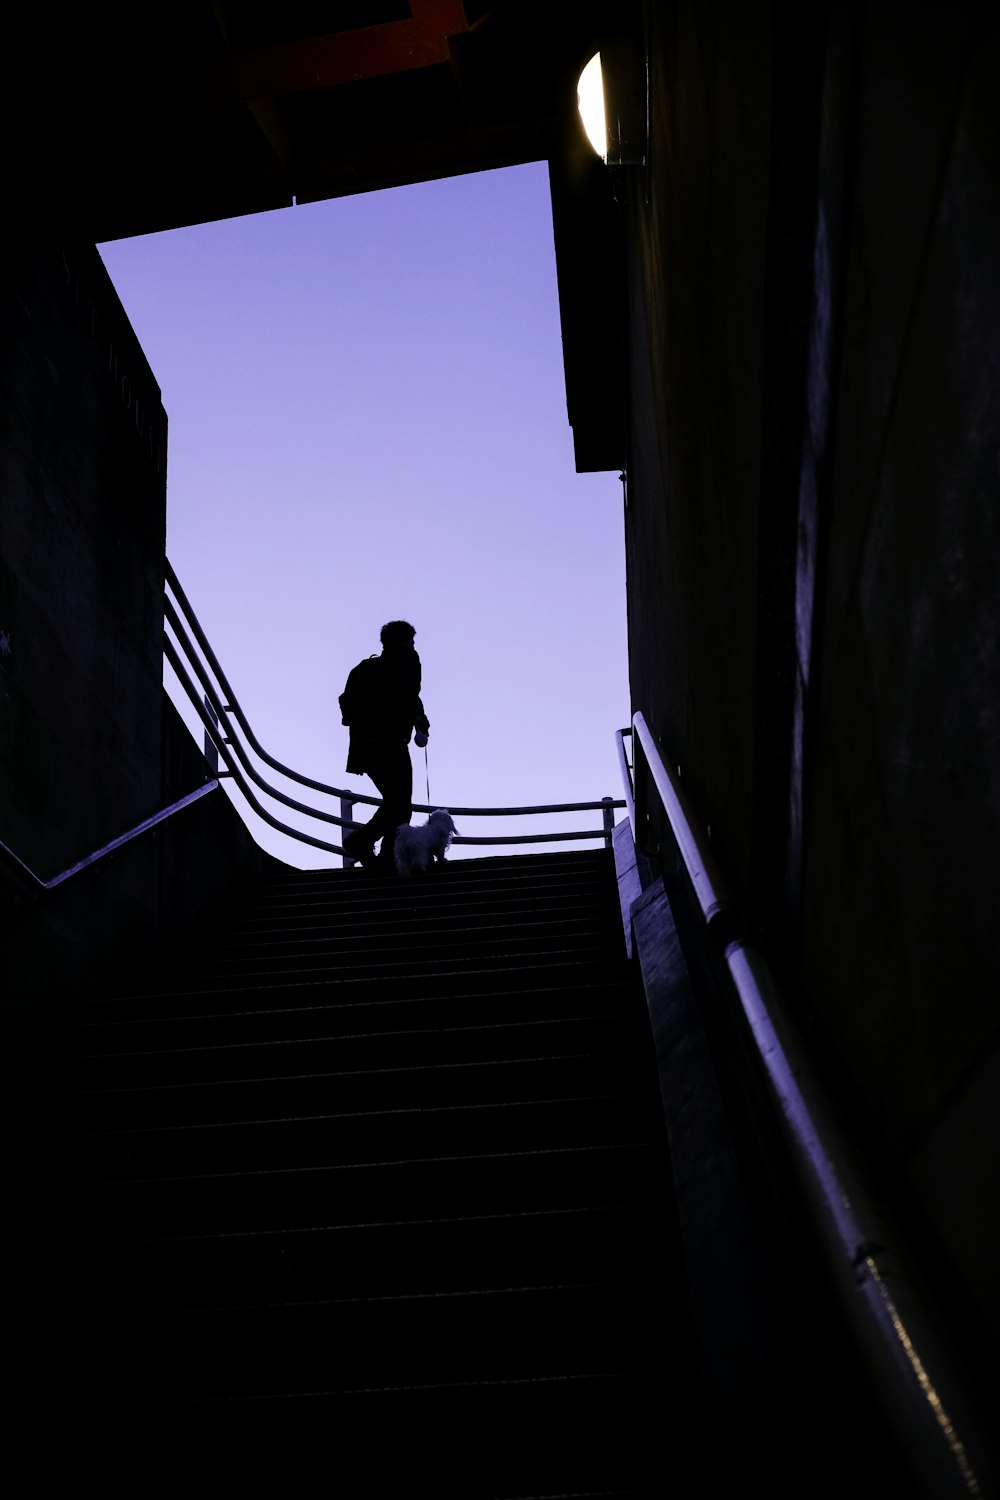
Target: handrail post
347, 813
640, 783
608, 804
628, 778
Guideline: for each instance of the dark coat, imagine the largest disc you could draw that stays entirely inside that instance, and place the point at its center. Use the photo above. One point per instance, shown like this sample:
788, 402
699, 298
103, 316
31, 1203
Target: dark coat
381, 705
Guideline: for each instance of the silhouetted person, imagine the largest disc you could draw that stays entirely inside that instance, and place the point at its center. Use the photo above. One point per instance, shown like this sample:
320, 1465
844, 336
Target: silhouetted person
381, 706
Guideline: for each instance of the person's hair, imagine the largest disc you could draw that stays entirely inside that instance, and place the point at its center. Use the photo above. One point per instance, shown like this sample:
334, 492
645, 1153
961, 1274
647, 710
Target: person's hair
397, 633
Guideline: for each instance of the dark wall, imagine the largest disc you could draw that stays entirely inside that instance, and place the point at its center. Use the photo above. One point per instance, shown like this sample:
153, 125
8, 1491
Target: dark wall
119, 920
82, 526
697, 252
90, 746
812, 537
903, 819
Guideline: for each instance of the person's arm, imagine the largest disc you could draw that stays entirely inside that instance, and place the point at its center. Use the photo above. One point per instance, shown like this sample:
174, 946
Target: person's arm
421, 724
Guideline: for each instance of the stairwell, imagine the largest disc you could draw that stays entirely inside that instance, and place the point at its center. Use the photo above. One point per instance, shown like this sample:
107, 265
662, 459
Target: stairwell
374, 1173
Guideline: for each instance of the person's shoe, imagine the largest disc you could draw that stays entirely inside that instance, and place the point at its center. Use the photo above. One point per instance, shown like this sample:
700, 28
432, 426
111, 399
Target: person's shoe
358, 848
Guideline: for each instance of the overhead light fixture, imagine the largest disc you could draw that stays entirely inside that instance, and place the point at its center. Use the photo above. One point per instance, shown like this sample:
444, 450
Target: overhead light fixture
612, 96
590, 101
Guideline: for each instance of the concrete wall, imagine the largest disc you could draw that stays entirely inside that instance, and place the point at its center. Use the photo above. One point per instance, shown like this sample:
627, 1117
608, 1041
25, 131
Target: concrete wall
813, 541
119, 921
82, 521
90, 746
696, 318
902, 872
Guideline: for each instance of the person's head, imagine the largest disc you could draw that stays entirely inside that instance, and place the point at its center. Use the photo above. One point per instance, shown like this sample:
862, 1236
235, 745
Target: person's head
397, 635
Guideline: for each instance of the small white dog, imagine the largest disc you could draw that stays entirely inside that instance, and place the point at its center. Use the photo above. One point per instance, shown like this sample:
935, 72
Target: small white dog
417, 849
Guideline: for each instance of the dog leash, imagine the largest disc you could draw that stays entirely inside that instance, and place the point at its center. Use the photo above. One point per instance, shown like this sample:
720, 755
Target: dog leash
427, 774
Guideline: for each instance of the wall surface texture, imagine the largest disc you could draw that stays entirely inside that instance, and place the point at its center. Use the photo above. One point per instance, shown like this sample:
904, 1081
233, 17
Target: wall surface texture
82, 521
813, 542
90, 746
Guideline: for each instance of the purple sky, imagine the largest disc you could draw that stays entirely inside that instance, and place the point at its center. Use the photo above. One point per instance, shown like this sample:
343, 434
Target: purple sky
367, 421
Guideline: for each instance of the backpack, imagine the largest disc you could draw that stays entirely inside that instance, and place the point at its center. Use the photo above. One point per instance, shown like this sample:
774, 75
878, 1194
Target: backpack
361, 700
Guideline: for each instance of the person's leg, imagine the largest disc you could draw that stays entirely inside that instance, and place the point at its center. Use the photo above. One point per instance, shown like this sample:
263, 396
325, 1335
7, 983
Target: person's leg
357, 845
392, 773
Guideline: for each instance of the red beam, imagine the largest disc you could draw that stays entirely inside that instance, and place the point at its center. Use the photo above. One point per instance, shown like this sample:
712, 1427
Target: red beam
322, 62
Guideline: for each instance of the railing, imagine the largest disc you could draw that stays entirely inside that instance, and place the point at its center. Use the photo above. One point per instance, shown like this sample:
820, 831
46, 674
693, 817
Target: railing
37, 884
229, 737
918, 1386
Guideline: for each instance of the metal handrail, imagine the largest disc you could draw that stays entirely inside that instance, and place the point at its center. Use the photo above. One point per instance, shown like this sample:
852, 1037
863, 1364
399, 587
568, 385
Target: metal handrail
226, 726
709, 887
109, 848
232, 702
626, 770
222, 746
919, 1386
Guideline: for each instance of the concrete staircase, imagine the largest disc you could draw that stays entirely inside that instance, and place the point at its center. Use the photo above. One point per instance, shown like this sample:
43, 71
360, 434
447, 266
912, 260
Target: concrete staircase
372, 1176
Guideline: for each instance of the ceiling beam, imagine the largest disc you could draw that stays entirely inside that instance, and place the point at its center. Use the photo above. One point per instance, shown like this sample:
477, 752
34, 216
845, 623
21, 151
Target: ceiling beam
324, 61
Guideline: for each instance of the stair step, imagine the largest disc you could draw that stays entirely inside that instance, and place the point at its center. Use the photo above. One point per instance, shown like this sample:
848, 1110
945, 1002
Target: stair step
457, 879
308, 967
488, 973
473, 905
434, 1187
410, 1086
386, 1343
267, 941
560, 864
360, 1135
386, 1256
207, 1061
377, 1164
560, 1437
175, 1024
544, 988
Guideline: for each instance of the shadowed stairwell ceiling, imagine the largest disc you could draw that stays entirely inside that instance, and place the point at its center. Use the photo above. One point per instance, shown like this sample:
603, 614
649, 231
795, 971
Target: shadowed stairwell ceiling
130, 119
